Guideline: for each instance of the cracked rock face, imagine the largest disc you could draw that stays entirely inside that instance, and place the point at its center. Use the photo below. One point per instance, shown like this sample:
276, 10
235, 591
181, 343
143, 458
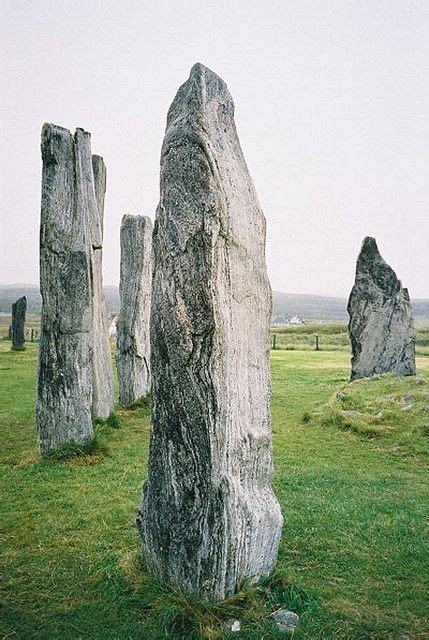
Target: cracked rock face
381, 327
19, 309
64, 386
102, 372
133, 340
209, 518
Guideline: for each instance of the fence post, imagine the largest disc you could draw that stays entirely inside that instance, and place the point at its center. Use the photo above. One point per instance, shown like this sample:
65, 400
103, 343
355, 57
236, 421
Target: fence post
32, 335
10, 332
317, 343
274, 340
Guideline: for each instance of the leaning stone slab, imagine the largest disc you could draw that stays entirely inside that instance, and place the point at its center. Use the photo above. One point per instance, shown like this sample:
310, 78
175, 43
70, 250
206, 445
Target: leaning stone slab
381, 327
64, 385
102, 372
19, 309
133, 340
209, 518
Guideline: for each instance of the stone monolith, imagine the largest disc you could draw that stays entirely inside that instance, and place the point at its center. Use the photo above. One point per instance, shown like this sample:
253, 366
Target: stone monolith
64, 387
209, 519
133, 340
381, 327
19, 309
102, 372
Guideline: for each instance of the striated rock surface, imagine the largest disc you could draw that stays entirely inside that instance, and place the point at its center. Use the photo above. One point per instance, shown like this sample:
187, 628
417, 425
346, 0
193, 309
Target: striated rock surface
19, 310
102, 372
64, 386
209, 518
381, 327
133, 340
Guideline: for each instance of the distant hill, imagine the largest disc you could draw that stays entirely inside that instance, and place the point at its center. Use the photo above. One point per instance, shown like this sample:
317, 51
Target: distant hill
9, 293
329, 309
285, 305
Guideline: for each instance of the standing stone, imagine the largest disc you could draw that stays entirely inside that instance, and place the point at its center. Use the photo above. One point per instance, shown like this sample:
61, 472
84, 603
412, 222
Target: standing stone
64, 388
102, 373
19, 309
133, 340
381, 327
209, 518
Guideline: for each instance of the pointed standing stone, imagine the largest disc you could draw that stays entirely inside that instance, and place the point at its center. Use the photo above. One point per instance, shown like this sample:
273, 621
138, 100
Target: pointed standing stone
64, 387
209, 518
19, 309
381, 327
133, 343
102, 372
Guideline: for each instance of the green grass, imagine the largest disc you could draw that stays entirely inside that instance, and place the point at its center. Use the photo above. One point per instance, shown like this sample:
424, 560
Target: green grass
352, 556
332, 337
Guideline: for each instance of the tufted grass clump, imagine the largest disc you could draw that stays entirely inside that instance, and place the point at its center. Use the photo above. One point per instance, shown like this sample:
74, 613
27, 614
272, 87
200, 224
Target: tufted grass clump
92, 448
390, 409
111, 421
186, 616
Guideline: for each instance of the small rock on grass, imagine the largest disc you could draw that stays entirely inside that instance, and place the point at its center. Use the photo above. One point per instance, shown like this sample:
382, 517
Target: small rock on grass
420, 379
285, 620
232, 625
340, 395
408, 396
351, 414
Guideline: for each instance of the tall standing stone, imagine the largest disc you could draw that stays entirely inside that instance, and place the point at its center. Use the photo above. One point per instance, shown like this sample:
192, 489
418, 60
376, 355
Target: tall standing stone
64, 387
209, 518
19, 309
381, 327
102, 373
133, 340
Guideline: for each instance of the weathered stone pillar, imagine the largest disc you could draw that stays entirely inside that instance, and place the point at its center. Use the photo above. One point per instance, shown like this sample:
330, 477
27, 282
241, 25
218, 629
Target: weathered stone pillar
19, 309
64, 387
381, 327
209, 518
102, 373
133, 343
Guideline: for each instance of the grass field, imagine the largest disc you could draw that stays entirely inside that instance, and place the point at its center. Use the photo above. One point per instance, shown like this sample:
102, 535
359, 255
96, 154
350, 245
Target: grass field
350, 475
331, 337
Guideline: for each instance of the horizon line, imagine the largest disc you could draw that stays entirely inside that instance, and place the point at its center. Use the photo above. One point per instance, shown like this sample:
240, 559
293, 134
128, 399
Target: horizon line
23, 285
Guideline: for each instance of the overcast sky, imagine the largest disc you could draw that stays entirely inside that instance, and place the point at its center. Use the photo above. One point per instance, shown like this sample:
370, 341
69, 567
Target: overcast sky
332, 109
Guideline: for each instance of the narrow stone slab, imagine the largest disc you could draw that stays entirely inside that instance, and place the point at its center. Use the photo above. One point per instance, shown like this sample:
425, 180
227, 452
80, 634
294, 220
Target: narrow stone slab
64, 386
381, 327
102, 372
19, 310
133, 340
209, 518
